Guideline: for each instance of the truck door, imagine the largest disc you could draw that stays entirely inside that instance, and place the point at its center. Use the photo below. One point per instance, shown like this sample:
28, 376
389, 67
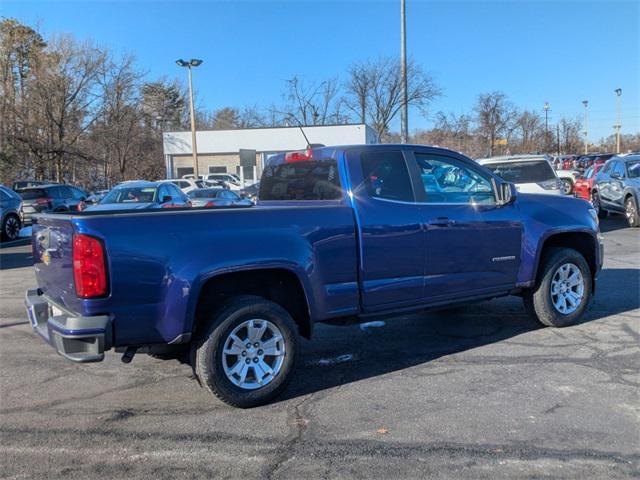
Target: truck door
472, 245
392, 250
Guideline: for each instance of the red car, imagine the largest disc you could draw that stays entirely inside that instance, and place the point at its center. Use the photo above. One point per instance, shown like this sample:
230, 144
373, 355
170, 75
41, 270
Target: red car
583, 185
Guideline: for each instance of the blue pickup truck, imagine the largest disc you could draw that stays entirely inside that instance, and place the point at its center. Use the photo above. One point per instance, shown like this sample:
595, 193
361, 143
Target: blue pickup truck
340, 234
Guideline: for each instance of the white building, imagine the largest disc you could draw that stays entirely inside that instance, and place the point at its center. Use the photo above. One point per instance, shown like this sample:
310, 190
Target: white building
219, 150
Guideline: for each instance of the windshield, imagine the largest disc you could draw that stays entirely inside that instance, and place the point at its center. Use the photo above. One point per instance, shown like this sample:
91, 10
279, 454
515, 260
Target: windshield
206, 193
523, 172
131, 195
633, 167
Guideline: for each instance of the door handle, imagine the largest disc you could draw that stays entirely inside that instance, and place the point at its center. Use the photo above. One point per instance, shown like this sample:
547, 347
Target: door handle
441, 222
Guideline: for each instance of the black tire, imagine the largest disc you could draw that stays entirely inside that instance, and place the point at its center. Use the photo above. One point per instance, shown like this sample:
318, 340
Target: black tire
10, 227
631, 212
595, 201
538, 300
208, 350
567, 186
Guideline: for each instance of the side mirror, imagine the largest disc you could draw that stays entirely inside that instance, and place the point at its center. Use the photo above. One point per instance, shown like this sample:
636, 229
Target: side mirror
615, 175
506, 193
167, 198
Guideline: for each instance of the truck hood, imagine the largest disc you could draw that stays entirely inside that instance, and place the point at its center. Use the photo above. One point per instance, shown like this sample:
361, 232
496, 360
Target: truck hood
557, 211
103, 207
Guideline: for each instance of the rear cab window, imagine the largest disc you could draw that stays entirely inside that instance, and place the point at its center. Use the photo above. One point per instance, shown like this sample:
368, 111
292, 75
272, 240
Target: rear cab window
386, 175
523, 172
33, 194
301, 180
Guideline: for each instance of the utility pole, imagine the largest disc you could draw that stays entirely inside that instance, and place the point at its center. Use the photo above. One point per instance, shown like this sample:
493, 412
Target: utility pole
586, 126
194, 148
546, 125
618, 124
404, 112
558, 137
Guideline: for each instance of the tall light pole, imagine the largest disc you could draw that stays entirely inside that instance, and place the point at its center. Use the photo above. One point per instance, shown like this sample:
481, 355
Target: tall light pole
194, 62
404, 112
546, 124
586, 126
618, 124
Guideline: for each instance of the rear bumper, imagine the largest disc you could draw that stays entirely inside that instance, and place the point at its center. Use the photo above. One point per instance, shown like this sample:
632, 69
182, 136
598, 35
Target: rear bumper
77, 338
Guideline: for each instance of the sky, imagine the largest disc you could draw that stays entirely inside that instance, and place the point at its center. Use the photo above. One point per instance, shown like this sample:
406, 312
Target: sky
535, 52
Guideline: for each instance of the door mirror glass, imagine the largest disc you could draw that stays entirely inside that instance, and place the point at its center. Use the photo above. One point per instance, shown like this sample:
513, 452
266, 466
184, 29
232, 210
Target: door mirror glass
505, 192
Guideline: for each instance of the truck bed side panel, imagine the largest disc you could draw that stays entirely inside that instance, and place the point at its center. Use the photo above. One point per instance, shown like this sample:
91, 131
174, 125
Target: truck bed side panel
159, 261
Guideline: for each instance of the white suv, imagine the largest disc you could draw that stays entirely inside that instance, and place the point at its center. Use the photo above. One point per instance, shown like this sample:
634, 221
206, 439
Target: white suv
530, 173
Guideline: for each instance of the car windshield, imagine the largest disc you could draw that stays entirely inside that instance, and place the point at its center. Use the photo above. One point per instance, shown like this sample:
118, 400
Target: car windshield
523, 172
633, 167
131, 195
206, 193
33, 193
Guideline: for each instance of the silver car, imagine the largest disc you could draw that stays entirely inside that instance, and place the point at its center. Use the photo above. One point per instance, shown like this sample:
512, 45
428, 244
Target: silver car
10, 213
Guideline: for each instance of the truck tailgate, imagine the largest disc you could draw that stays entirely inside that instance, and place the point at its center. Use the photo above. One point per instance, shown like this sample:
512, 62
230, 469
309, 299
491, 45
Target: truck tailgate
52, 243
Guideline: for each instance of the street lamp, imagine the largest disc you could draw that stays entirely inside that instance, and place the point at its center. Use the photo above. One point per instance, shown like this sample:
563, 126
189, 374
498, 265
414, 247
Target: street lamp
546, 124
586, 127
194, 62
618, 124
404, 112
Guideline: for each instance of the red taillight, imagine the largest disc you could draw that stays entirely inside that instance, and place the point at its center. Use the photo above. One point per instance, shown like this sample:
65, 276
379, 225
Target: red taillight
210, 204
89, 269
43, 201
299, 156
81, 206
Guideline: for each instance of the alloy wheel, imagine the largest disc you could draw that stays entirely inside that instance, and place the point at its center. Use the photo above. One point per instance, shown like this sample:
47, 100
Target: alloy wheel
567, 288
253, 354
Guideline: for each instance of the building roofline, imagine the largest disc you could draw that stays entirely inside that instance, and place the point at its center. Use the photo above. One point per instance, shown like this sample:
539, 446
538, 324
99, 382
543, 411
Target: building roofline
273, 128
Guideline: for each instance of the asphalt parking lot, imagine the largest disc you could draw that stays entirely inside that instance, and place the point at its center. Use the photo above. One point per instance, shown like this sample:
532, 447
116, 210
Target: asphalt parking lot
477, 392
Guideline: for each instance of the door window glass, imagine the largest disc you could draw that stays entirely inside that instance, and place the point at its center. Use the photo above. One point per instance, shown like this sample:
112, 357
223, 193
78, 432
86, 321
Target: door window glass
447, 180
619, 169
386, 176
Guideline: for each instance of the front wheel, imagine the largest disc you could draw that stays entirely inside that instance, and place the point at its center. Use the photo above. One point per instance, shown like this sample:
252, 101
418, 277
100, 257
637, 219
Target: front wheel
563, 289
595, 201
247, 355
631, 212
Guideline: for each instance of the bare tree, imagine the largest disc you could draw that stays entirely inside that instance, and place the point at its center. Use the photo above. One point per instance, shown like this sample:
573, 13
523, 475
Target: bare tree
495, 115
529, 126
315, 103
570, 134
375, 88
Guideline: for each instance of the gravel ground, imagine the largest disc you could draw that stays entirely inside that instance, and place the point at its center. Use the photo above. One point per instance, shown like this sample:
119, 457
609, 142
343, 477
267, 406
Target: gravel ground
476, 392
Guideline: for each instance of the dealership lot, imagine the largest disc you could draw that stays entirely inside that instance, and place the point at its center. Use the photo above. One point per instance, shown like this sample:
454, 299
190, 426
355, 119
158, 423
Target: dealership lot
475, 392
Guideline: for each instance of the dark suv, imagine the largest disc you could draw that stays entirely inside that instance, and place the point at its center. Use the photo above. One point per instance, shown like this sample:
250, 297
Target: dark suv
50, 198
617, 188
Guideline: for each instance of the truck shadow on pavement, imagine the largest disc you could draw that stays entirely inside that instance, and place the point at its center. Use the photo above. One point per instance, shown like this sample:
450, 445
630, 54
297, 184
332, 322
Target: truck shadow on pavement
10, 260
342, 355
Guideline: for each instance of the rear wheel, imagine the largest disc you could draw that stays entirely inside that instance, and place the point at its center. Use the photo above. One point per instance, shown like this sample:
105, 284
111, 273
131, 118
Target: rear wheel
567, 186
563, 289
10, 227
631, 212
247, 355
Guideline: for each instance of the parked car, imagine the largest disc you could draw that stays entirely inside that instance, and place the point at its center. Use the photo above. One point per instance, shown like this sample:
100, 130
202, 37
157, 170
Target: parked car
230, 180
568, 179
217, 197
191, 176
617, 188
530, 173
185, 184
50, 198
251, 192
10, 213
142, 196
20, 184
340, 234
584, 183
